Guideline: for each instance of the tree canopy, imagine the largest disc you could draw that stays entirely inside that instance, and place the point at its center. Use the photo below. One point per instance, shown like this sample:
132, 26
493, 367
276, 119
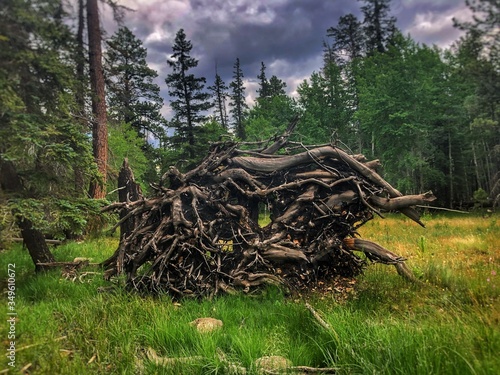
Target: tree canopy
133, 97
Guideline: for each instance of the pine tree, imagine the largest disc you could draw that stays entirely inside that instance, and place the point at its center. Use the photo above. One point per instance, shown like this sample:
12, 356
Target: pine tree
347, 39
485, 26
379, 26
476, 63
219, 91
133, 97
41, 144
276, 87
263, 90
191, 101
341, 69
238, 102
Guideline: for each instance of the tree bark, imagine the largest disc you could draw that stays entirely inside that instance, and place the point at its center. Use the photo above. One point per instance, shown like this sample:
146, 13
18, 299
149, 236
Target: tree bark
99, 122
81, 89
36, 245
281, 163
201, 235
80, 59
450, 169
394, 204
32, 238
128, 191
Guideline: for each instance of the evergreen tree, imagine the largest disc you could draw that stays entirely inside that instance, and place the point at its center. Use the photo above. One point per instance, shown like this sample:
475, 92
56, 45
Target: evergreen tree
326, 112
484, 26
379, 27
220, 94
347, 38
238, 102
263, 90
41, 144
268, 118
276, 87
341, 67
480, 91
272, 112
406, 106
133, 97
190, 100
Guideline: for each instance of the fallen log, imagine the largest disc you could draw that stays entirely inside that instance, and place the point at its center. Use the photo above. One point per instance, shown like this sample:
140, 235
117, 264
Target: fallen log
200, 234
47, 241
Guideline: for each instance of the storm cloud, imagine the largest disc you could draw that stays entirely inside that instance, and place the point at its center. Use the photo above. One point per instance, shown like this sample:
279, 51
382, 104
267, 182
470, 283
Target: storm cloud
287, 35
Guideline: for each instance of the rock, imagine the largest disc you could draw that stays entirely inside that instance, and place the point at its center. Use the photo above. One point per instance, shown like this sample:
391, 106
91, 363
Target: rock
204, 325
273, 364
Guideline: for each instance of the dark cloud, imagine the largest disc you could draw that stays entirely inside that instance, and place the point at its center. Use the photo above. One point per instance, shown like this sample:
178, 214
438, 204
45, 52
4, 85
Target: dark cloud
287, 35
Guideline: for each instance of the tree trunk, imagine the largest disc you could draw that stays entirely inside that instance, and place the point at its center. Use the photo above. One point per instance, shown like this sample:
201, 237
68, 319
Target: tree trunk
451, 168
99, 121
476, 166
80, 59
32, 238
373, 144
129, 191
489, 165
80, 94
34, 241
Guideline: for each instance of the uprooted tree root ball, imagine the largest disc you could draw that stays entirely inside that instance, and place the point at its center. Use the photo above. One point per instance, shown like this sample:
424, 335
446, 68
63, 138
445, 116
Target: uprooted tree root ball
200, 234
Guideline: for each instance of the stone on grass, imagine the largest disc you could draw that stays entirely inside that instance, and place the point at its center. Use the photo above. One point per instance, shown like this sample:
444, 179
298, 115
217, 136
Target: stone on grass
204, 325
274, 364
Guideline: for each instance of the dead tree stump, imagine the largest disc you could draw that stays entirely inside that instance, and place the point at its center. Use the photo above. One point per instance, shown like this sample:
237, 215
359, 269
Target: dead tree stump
200, 236
128, 191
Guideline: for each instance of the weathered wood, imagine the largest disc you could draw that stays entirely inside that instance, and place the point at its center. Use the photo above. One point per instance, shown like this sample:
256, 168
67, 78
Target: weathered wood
201, 235
373, 164
50, 242
375, 250
36, 245
77, 262
128, 191
283, 138
380, 254
394, 204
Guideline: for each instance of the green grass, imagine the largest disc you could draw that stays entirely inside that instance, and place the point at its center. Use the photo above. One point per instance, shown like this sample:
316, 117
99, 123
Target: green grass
448, 324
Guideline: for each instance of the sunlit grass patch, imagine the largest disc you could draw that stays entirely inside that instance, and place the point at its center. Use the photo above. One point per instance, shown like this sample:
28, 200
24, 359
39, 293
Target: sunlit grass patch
458, 253
226, 246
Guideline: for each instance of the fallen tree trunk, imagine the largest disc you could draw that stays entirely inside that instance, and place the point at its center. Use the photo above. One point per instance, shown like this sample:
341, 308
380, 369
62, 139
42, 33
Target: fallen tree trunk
50, 242
200, 234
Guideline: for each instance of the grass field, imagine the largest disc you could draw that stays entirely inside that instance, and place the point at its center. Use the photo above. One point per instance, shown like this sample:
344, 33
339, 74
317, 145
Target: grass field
448, 324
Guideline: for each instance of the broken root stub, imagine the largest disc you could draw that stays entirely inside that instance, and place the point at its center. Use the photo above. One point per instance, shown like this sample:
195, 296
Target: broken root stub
200, 234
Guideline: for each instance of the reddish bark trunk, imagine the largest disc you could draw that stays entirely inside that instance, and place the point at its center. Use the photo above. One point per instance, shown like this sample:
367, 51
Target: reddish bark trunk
99, 121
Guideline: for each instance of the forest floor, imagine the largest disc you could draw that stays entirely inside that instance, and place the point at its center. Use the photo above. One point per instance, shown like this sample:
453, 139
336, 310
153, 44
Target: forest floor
376, 324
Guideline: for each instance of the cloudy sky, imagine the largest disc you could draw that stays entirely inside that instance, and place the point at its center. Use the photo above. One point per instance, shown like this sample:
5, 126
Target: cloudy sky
287, 35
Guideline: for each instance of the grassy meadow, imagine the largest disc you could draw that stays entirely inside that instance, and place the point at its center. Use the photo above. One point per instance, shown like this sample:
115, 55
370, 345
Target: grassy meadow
381, 324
